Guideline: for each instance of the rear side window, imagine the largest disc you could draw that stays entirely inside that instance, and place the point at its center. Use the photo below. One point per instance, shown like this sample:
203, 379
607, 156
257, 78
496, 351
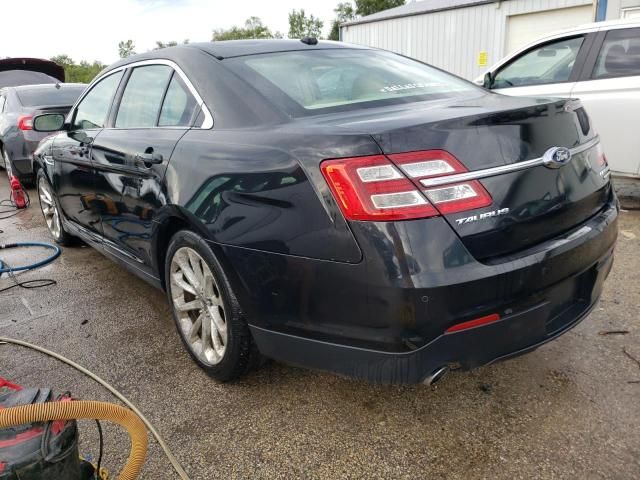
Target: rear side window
50, 96
548, 63
322, 81
619, 55
142, 97
178, 106
93, 109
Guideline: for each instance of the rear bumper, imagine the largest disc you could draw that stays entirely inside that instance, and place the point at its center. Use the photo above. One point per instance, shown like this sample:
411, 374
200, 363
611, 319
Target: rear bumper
20, 149
384, 320
23, 168
512, 335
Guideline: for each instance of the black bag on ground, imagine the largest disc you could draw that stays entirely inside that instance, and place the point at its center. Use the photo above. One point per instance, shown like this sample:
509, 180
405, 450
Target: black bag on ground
39, 451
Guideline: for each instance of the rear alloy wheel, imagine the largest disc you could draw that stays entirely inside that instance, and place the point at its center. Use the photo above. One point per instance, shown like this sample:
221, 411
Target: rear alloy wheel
205, 309
50, 211
199, 306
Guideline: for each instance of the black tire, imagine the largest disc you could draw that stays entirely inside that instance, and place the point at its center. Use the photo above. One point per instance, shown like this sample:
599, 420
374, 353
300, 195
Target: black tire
28, 182
61, 236
240, 354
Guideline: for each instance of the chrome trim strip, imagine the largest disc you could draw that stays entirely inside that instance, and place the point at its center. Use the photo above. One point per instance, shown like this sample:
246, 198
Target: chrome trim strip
208, 118
605, 172
492, 172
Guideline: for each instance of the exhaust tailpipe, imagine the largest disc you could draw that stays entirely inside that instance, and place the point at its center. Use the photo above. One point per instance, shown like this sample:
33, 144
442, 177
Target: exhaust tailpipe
436, 375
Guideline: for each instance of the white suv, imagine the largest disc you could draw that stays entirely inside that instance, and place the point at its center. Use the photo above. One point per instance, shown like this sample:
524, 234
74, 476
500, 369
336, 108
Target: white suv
598, 63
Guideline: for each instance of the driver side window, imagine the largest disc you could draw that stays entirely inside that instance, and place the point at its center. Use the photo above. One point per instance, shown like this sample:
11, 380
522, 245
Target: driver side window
548, 63
93, 109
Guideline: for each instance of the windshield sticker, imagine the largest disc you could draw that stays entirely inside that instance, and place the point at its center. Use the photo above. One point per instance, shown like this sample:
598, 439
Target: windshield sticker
410, 86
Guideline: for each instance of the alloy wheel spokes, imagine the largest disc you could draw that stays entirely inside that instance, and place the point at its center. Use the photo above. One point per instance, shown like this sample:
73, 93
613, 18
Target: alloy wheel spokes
199, 306
48, 207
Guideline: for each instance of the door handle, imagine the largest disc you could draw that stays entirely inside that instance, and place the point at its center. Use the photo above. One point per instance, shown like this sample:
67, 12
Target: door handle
148, 159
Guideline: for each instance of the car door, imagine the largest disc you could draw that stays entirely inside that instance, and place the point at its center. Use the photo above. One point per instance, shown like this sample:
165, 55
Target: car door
71, 153
609, 88
547, 69
155, 109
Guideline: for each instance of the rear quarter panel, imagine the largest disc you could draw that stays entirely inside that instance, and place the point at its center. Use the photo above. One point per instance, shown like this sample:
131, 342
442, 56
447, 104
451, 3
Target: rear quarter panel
262, 189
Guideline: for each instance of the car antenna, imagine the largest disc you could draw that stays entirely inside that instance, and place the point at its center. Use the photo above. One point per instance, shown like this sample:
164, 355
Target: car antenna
309, 40
58, 85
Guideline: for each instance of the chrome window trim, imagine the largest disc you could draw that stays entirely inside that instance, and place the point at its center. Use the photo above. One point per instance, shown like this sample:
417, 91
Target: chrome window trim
208, 118
492, 172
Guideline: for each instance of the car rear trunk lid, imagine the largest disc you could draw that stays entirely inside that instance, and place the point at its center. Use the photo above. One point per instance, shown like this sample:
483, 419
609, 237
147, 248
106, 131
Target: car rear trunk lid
502, 142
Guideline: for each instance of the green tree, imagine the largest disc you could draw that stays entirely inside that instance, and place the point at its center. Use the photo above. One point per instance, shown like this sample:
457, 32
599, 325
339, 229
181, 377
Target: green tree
126, 48
301, 26
253, 28
62, 60
369, 7
82, 72
344, 13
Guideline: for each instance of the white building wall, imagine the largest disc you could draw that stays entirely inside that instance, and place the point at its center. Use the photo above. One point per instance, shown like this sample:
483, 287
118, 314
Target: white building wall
622, 8
451, 39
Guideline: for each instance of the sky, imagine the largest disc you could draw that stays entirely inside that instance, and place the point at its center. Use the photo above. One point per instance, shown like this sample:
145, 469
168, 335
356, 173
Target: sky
91, 29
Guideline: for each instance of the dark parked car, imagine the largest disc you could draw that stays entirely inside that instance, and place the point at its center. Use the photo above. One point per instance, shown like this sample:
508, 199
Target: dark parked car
336, 207
18, 106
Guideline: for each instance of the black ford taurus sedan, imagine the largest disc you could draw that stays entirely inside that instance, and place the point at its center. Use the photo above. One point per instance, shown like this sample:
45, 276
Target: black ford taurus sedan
334, 206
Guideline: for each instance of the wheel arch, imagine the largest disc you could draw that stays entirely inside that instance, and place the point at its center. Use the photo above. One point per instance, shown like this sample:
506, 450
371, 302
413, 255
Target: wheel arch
171, 220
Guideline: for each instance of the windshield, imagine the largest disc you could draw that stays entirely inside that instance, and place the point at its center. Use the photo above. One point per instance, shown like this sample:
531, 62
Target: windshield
345, 79
51, 96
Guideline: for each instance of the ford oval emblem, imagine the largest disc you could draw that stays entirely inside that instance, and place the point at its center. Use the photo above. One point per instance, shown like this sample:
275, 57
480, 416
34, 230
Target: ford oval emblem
556, 157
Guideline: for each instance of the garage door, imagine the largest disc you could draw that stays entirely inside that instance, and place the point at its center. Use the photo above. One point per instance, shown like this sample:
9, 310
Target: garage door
525, 28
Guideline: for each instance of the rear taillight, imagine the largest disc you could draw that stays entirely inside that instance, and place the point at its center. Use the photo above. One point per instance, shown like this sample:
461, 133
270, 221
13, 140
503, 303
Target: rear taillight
372, 188
447, 198
602, 160
25, 122
388, 187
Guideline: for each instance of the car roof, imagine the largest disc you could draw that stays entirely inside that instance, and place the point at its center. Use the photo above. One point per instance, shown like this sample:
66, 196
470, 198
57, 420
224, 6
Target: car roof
238, 48
231, 48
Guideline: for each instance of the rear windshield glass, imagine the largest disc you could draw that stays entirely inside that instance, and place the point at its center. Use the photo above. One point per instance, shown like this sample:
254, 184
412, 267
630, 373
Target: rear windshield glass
64, 96
343, 79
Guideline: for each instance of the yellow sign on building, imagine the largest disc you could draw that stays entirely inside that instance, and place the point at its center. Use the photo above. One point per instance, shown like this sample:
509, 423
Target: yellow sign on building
482, 58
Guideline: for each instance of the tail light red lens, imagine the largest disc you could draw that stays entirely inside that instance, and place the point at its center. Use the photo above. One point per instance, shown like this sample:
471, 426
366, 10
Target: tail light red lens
452, 198
372, 188
386, 188
25, 122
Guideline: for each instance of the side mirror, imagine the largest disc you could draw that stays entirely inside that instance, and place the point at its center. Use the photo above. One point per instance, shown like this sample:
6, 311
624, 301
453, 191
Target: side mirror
487, 81
48, 122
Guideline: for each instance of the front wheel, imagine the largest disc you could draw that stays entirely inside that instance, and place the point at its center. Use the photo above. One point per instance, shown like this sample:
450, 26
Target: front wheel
50, 211
205, 309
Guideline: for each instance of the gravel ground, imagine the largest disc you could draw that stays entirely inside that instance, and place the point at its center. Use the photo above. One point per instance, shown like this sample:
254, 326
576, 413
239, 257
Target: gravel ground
569, 410
628, 190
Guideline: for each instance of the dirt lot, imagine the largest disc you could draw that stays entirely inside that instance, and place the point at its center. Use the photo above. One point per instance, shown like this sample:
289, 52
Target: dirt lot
570, 409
